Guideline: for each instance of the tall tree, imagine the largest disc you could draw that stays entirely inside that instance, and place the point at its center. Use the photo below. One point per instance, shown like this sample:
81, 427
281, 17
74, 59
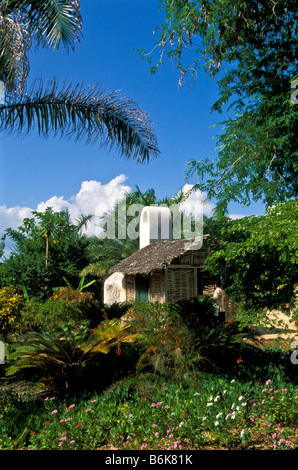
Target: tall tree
47, 248
73, 111
258, 257
251, 47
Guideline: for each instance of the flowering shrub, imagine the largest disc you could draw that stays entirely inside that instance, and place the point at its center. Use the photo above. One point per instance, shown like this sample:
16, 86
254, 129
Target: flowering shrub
166, 344
11, 303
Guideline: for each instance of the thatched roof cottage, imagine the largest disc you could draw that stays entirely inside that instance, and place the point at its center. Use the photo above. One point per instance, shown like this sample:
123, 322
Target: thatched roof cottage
162, 269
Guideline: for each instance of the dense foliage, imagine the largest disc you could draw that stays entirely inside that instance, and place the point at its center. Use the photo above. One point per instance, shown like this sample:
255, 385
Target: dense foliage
243, 400
251, 47
47, 248
258, 257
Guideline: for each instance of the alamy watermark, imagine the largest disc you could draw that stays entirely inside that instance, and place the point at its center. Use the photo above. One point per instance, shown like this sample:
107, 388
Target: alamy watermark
163, 223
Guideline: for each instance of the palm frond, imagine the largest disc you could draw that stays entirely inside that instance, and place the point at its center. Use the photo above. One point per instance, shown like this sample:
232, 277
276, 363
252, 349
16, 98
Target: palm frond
50, 22
14, 44
88, 114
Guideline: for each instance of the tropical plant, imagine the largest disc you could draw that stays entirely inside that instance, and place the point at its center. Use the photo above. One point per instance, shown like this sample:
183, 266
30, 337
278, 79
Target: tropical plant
72, 111
81, 285
62, 355
47, 247
219, 345
47, 24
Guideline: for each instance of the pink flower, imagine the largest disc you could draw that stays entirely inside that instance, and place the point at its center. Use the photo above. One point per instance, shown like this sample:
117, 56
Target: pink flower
159, 403
156, 434
153, 426
252, 419
88, 409
167, 407
274, 435
53, 412
153, 405
71, 406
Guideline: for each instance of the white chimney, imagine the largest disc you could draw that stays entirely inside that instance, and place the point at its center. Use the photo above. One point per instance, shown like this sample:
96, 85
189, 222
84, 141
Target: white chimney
155, 225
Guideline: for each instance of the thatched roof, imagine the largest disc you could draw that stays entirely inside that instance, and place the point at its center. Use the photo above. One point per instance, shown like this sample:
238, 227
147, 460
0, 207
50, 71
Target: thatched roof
154, 257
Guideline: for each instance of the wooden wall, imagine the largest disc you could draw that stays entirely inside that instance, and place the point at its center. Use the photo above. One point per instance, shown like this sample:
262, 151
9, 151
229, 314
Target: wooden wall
130, 287
180, 283
157, 287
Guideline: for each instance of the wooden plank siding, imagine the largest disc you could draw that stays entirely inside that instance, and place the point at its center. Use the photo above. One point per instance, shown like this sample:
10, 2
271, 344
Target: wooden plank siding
157, 287
130, 287
180, 283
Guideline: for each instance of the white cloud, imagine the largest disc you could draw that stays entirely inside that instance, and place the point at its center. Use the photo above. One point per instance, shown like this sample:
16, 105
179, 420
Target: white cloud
93, 198
13, 216
195, 203
96, 198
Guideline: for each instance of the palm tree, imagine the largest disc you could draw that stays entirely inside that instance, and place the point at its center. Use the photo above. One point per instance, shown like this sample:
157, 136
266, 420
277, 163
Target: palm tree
22, 22
74, 111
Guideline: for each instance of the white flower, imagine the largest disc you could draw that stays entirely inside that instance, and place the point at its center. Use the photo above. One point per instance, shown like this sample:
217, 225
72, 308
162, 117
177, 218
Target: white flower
209, 404
224, 392
242, 432
243, 404
216, 423
240, 398
219, 414
232, 381
203, 419
216, 398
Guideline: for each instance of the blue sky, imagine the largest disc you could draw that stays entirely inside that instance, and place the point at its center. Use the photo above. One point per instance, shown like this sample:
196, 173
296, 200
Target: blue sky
35, 171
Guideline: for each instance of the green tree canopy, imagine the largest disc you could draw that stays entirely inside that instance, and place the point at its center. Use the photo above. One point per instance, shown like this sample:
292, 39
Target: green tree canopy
251, 47
47, 248
257, 256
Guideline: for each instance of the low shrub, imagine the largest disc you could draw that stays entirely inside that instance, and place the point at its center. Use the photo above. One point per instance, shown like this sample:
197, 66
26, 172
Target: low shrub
50, 314
166, 345
61, 355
